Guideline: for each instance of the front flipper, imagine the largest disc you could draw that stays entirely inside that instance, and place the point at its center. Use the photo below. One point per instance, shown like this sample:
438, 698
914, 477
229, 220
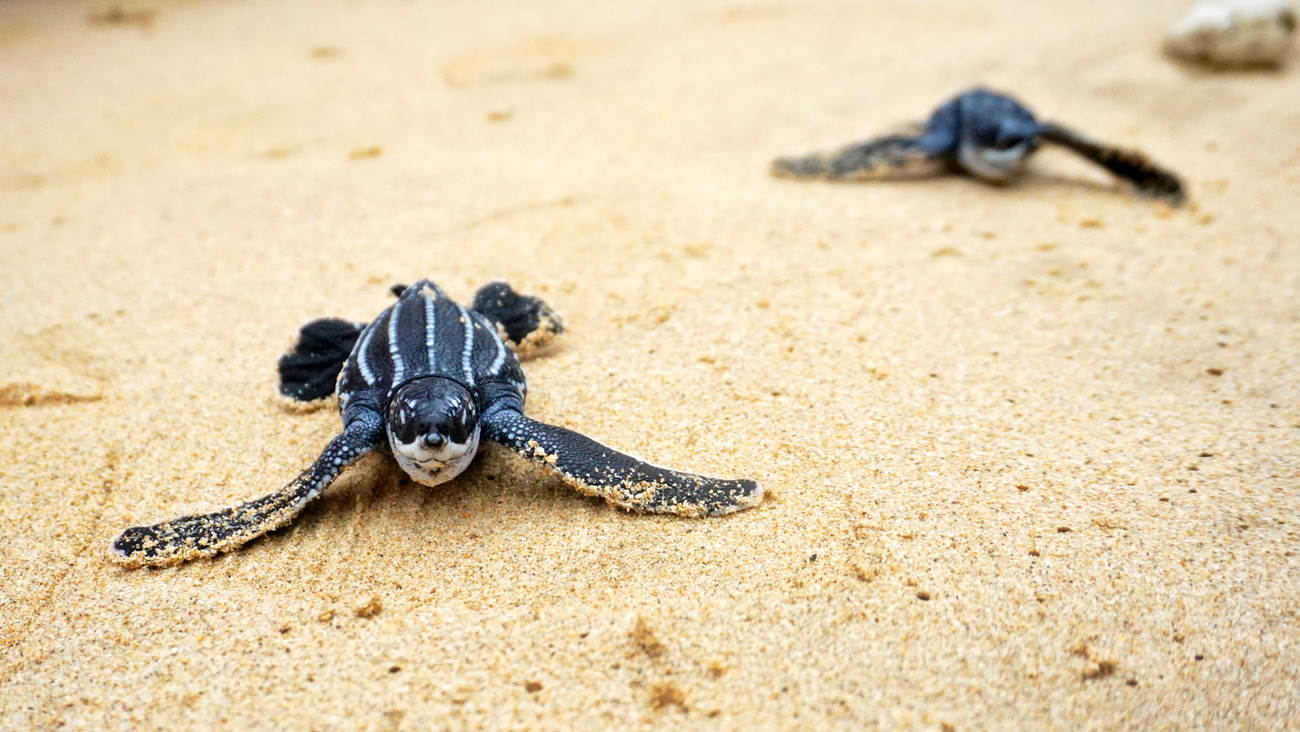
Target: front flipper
621, 479
308, 371
191, 537
526, 323
893, 156
1131, 165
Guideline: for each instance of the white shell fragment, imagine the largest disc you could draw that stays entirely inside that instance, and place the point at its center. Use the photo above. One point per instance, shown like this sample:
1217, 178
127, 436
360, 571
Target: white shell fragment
1234, 33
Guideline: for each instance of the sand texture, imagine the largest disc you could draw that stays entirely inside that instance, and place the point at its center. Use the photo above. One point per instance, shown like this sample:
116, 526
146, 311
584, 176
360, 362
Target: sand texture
1030, 451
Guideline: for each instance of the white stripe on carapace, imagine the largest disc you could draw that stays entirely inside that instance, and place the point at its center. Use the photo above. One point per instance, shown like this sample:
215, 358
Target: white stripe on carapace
430, 329
500, 360
466, 362
363, 363
393, 351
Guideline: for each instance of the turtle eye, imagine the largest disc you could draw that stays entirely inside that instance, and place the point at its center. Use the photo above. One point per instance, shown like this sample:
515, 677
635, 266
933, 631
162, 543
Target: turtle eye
1007, 141
410, 428
457, 425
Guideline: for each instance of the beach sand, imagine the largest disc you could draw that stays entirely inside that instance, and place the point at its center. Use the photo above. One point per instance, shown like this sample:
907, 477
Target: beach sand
1030, 451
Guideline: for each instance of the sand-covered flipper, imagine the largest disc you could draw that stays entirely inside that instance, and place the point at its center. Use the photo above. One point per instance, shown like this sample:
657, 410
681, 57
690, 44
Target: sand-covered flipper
204, 535
626, 482
1148, 178
882, 157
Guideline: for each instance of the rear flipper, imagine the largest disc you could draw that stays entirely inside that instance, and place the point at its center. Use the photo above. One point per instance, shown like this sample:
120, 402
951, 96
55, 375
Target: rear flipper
884, 157
526, 323
1130, 165
308, 371
624, 481
191, 537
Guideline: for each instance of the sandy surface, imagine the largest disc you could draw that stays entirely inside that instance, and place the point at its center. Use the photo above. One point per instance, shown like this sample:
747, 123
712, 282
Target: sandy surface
1068, 417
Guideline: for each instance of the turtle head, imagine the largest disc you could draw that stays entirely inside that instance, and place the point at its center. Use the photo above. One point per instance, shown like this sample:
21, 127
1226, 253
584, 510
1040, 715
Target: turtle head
433, 428
999, 134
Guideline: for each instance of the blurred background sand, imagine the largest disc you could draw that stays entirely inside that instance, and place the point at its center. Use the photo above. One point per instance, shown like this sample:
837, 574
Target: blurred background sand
1031, 451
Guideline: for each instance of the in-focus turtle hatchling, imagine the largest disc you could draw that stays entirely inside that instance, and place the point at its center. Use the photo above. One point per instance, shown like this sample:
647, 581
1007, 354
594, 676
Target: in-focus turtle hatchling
985, 134
427, 379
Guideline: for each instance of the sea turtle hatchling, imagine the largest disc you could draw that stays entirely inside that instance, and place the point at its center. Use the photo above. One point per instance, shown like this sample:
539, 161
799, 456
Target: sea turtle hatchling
986, 134
427, 379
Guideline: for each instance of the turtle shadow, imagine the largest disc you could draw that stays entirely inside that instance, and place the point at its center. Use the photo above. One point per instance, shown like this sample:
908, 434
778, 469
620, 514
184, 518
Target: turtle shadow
383, 485
1047, 181
377, 486
1028, 182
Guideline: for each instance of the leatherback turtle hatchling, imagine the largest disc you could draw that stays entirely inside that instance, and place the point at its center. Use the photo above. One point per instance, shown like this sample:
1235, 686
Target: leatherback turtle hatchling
427, 379
986, 134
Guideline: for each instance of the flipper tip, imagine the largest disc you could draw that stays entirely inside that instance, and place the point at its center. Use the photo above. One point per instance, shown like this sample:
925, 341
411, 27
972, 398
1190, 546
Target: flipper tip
752, 496
1172, 194
122, 553
803, 166
723, 497
140, 546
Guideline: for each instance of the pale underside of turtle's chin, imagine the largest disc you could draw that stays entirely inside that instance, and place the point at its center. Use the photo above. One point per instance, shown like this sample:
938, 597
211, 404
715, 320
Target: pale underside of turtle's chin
434, 468
991, 164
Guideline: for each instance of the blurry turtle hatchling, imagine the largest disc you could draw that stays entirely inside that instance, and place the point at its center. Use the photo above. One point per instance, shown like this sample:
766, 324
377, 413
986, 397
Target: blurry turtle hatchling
988, 135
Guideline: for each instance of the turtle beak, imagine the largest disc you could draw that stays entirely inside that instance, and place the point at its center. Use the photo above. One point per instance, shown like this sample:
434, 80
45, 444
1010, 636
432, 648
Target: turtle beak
437, 447
424, 450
